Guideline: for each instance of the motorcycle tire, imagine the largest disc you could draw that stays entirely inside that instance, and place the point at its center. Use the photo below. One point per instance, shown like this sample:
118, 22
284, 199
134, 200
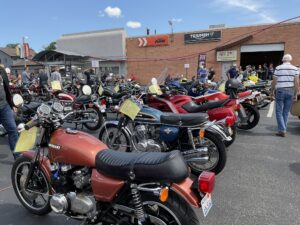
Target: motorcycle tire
233, 137
250, 111
100, 121
27, 97
222, 155
21, 197
174, 211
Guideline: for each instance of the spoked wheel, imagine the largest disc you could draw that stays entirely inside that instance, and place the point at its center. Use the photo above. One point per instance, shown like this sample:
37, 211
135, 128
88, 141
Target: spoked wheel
215, 158
35, 197
94, 114
115, 139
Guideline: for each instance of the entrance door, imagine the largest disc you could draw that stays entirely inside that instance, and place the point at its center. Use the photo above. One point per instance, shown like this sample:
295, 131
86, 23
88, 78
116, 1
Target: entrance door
225, 67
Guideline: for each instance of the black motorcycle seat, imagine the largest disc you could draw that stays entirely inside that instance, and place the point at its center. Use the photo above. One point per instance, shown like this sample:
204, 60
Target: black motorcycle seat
30, 108
143, 166
192, 107
177, 119
110, 93
83, 99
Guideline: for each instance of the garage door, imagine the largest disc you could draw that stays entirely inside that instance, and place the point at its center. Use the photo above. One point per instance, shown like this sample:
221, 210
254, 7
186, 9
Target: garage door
263, 48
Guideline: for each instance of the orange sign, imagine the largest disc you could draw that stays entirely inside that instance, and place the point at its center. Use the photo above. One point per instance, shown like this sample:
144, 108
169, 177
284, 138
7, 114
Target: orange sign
154, 41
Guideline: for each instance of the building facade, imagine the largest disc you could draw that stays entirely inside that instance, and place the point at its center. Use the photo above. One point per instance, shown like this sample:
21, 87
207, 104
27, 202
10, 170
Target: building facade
181, 53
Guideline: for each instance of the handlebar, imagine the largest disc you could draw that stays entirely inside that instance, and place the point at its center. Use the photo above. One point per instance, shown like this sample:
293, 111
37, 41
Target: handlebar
32, 123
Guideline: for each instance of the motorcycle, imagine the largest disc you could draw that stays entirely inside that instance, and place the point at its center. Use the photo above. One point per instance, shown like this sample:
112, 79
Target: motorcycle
74, 174
25, 92
148, 129
92, 117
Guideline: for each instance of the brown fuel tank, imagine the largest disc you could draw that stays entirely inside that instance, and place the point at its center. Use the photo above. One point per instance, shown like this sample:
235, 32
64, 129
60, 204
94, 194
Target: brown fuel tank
74, 147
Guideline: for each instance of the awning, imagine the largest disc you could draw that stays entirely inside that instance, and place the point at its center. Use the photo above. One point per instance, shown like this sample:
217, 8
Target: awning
54, 54
234, 43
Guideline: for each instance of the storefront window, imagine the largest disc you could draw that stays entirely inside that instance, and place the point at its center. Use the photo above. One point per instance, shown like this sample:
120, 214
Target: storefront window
109, 69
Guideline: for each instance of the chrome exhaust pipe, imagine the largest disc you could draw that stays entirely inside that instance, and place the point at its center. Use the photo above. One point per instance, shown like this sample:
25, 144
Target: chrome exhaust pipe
198, 159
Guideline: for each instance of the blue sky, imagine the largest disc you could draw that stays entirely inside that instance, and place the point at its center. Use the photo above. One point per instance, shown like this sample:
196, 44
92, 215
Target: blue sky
45, 21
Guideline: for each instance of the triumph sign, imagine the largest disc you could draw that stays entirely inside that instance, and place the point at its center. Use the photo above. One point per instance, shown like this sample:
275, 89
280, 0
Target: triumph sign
202, 37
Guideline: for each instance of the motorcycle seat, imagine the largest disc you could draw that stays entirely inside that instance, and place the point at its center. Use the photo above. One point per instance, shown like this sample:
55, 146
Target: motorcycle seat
142, 166
83, 99
192, 107
110, 93
177, 119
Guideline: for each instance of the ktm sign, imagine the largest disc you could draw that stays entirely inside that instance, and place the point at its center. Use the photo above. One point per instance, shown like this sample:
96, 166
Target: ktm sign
154, 41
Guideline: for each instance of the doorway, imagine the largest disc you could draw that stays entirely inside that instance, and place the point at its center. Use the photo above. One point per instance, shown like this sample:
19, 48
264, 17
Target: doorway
259, 58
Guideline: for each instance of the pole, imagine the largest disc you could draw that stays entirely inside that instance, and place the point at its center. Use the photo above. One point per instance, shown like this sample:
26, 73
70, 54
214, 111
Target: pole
23, 43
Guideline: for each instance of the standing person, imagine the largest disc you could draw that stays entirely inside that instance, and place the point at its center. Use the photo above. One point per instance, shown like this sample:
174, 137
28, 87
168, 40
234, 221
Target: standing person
43, 79
211, 74
265, 72
26, 76
260, 72
6, 114
286, 83
202, 74
232, 73
55, 75
270, 71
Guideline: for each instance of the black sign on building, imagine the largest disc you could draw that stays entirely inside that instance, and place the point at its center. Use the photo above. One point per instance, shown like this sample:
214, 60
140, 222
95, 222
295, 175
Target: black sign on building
202, 37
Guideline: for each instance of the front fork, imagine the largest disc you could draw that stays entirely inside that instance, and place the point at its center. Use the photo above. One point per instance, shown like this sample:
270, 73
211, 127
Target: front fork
242, 115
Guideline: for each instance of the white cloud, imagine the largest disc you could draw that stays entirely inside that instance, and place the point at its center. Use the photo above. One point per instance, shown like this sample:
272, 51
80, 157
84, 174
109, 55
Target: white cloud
177, 20
114, 12
260, 8
133, 24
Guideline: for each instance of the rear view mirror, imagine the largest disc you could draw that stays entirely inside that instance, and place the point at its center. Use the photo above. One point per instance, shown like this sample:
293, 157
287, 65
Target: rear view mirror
86, 90
18, 100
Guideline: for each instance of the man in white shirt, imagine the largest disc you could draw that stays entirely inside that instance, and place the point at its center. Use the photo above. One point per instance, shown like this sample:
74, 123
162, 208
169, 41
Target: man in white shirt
286, 83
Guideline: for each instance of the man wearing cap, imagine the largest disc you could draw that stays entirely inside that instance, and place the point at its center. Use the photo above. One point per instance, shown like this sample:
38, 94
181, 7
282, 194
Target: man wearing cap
6, 114
286, 83
232, 72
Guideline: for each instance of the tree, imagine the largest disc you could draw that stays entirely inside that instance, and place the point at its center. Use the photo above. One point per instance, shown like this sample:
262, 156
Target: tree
12, 45
51, 46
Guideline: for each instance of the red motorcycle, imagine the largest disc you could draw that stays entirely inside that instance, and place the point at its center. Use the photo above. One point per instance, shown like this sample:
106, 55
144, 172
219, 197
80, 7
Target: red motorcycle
74, 174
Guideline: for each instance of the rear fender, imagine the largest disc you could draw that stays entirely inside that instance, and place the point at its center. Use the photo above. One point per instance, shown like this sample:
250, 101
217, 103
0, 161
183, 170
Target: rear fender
218, 130
184, 189
44, 163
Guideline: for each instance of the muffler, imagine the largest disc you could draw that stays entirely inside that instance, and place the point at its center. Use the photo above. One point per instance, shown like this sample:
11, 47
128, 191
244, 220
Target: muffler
196, 155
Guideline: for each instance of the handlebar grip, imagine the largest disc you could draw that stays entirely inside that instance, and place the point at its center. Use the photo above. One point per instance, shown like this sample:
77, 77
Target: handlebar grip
31, 124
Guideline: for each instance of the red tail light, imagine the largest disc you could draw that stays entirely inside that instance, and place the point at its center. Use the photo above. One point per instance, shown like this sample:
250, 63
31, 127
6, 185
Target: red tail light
206, 182
230, 120
103, 102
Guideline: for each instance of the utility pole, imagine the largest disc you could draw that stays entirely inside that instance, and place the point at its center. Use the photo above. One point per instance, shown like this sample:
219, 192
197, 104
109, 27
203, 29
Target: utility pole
172, 33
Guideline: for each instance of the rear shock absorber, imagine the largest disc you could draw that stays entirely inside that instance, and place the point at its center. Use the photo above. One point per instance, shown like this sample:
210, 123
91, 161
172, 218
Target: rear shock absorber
138, 205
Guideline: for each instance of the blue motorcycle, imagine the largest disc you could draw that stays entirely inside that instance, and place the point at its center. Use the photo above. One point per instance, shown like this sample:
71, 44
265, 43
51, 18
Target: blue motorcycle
150, 130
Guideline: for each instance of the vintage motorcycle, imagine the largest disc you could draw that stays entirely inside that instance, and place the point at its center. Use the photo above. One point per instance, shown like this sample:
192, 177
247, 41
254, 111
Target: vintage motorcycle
72, 173
148, 129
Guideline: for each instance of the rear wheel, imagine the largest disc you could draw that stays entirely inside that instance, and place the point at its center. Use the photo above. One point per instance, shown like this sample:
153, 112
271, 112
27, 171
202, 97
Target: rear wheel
252, 117
36, 197
216, 155
95, 114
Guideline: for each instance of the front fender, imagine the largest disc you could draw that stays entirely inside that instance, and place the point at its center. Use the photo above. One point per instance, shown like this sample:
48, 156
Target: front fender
218, 130
44, 163
114, 123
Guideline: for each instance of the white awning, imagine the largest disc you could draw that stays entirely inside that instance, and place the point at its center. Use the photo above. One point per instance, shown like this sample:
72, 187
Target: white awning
263, 48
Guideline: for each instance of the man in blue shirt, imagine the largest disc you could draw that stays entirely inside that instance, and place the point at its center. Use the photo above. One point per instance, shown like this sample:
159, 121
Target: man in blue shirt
25, 77
232, 72
202, 74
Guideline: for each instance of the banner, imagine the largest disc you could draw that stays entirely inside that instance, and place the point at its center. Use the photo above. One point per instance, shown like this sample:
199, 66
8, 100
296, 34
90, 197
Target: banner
154, 41
26, 51
202, 37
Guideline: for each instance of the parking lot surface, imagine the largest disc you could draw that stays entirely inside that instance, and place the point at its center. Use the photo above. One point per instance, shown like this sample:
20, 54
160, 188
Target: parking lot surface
260, 184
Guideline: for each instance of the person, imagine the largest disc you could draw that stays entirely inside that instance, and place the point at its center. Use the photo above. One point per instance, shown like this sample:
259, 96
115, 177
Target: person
26, 76
43, 78
265, 72
6, 114
88, 74
259, 71
270, 71
232, 73
202, 74
211, 74
55, 75
286, 83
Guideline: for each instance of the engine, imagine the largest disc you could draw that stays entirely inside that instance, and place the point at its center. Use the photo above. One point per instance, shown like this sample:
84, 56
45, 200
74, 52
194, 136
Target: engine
73, 195
144, 139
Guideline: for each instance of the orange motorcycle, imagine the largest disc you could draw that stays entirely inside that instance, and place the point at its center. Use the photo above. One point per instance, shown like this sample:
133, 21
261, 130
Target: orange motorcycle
73, 173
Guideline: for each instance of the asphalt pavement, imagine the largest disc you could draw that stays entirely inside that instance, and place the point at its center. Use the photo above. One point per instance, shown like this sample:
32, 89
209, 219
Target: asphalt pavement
260, 184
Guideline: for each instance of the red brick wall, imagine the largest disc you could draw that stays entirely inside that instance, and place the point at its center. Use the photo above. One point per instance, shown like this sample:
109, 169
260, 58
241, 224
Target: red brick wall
286, 33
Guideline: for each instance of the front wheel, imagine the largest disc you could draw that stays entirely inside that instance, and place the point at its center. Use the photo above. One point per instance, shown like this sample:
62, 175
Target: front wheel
95, 114
36, 196
252, 117
216, 156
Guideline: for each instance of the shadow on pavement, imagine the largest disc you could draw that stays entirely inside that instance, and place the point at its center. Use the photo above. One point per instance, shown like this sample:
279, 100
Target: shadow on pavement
295, 167
18, 215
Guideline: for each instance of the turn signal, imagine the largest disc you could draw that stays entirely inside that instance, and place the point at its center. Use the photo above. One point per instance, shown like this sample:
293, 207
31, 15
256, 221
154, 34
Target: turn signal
206, 182
201, 134
164, 194
229, 121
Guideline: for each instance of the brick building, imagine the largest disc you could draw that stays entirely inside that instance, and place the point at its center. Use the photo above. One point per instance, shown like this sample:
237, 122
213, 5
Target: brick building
149, 56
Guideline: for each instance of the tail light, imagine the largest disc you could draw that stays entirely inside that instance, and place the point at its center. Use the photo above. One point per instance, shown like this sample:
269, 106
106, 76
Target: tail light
206, 182
103, 102
230, 120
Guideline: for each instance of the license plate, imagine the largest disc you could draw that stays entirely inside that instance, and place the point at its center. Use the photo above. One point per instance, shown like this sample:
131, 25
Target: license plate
206, 204
68, 108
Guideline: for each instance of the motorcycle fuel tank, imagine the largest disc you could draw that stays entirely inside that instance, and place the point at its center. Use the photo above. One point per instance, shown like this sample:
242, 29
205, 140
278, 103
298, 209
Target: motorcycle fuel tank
168, 133
74, 147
